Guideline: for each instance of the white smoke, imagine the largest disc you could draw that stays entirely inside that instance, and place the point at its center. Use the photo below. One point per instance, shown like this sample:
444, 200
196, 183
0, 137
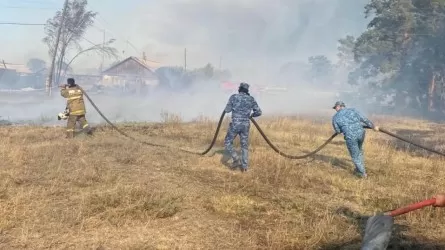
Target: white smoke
253, 39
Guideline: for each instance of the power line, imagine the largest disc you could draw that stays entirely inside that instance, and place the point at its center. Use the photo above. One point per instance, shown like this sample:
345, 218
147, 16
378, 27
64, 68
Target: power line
123, 38
29, 8
105, 21
13, 23
37, 2
94, 44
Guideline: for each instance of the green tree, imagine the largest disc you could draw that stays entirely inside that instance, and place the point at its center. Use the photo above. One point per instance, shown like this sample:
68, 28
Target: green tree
208, 71
402, 51
321, 68
346, 53
36, 64
173, 78
205, 73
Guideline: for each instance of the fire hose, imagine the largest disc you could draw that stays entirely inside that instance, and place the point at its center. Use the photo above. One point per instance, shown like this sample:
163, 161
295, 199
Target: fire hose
215, 136
271, 145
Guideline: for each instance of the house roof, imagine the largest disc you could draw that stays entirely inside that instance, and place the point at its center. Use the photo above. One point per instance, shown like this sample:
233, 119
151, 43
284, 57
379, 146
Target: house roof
20, 68
150, 65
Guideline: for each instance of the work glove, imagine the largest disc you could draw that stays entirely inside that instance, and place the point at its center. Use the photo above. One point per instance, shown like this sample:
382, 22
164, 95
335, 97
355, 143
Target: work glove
440, 200
376, 128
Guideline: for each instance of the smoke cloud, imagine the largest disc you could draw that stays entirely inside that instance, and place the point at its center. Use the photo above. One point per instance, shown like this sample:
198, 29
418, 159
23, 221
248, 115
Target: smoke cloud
250, 33
252, 38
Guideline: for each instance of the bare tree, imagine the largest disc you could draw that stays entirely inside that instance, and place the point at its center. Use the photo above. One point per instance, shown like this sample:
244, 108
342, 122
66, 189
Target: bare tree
74, 23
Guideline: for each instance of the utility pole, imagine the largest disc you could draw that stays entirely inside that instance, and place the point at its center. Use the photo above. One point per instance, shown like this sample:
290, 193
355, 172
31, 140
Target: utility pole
185, 59
49, 80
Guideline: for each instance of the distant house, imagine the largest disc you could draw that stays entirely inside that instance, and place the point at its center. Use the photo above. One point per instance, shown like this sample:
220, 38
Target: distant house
132, 75
87, 81
20, 69
16, 76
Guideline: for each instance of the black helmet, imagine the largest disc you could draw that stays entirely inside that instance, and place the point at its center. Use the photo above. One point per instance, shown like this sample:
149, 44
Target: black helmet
71, 81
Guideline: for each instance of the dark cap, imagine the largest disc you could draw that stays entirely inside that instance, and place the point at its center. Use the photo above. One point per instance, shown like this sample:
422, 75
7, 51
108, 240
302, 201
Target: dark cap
244, 85
339, 103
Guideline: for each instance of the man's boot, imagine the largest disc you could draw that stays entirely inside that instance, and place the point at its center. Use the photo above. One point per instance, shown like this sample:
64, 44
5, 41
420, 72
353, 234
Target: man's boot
236, 164
69, 134
88, 130
360, 174
225, 158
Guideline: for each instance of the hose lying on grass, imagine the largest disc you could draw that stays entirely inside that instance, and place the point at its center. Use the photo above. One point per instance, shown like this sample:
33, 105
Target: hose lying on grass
218, 128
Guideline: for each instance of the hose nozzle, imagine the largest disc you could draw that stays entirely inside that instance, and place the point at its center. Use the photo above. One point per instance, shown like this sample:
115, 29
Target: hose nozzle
440, 200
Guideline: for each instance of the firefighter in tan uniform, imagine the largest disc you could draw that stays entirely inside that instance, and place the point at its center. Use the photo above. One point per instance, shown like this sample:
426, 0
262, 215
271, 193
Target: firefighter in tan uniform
75, 106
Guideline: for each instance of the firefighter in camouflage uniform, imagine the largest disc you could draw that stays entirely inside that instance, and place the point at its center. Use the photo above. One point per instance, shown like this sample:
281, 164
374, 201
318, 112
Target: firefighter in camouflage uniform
76, 108
349, 122
243, 106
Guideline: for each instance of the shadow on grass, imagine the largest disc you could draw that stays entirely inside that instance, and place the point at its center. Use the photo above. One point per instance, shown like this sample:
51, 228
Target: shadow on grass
334, 161
338, 143
225, 158
398, 239
320, 157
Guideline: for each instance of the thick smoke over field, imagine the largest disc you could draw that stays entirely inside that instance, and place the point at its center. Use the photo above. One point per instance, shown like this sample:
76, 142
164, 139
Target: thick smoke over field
259, 34
253, 39
208, 102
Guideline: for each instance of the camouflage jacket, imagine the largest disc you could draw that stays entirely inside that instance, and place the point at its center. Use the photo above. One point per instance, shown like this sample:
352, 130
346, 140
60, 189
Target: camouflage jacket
75, 103
241, 105
350, 122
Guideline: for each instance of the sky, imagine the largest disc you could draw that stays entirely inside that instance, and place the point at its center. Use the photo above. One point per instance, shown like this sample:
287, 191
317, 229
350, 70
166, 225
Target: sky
242, 34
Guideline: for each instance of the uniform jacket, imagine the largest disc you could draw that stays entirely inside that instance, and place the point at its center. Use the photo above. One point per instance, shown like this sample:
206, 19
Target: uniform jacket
75, 103
350, 122
241, 105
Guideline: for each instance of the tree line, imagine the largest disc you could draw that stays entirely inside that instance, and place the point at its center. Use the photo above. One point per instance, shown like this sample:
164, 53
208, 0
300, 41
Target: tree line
401, 53
398, 60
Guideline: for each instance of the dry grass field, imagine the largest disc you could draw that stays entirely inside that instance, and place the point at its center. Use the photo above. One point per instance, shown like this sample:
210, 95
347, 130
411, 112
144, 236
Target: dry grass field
108, 192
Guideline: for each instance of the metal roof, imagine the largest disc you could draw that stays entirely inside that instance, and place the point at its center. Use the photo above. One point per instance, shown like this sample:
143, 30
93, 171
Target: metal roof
20, 68
150, 65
